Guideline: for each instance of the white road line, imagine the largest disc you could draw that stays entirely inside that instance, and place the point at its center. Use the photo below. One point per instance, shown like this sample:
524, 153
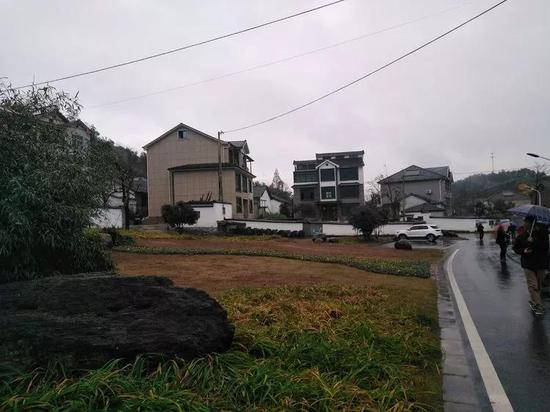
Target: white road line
495, 391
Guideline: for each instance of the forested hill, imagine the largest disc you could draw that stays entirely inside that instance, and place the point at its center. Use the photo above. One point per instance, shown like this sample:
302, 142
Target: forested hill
468, 191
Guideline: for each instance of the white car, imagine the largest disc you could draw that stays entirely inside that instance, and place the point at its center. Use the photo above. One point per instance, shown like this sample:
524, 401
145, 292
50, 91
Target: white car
428, 232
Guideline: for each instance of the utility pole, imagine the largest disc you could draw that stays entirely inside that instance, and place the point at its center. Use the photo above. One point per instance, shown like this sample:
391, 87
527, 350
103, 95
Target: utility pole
493, 161
220, 177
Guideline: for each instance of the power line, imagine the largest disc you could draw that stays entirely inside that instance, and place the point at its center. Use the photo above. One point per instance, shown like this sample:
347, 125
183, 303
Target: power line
189, 46
278, 116
274, 62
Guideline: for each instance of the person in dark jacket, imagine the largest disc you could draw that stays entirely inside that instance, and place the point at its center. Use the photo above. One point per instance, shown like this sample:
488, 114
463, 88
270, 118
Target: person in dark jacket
502, 240
480, 231
533, 247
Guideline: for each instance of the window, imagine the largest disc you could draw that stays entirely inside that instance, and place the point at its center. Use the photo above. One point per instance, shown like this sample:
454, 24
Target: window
349, 192
327, 175
250, 185
263, 203
307, 193
305, 166
349, 173
328, 193
182, 134
251, 207
238, 182
306, 177
418, 228
244, 184
239, 205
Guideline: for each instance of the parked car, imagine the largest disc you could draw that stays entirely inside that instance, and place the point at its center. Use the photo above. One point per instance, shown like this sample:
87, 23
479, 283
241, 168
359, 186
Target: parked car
428, 232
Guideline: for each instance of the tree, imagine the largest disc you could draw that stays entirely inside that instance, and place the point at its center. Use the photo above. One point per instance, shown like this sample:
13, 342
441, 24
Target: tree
366, 219
122, 166
48, 190
179, 215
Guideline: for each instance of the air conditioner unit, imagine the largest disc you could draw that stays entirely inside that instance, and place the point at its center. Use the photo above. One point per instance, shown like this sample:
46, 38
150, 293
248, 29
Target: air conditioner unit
429, 191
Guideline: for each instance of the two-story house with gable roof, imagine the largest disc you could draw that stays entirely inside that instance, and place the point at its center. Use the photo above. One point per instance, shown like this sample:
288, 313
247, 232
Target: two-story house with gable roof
329, 187
418, 190
182, 165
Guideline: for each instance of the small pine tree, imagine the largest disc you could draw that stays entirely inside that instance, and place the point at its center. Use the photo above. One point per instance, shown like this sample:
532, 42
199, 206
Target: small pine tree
179, 215
366, 219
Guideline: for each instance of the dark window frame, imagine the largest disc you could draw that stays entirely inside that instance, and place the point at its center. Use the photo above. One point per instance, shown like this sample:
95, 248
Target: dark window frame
343, 173
332, 177
333, 190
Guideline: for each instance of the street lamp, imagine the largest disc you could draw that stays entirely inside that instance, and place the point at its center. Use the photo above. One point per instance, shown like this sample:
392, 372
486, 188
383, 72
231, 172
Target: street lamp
538, 156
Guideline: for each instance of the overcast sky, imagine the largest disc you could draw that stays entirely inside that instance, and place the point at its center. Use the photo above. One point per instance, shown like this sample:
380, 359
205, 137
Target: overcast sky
483, 89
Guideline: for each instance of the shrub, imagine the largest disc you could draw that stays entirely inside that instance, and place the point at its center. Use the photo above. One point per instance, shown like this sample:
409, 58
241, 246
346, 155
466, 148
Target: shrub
49, 189
179, 215
119, 239
366, 219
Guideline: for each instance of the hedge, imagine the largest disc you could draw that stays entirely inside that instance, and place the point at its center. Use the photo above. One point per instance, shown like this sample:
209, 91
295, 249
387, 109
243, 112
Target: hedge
419, 269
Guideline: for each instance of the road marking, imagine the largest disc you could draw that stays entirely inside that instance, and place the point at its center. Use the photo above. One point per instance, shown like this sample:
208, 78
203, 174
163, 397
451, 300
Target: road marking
495, 391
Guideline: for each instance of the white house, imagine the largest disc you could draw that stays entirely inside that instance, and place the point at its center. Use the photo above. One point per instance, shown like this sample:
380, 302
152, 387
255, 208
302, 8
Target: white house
265, 202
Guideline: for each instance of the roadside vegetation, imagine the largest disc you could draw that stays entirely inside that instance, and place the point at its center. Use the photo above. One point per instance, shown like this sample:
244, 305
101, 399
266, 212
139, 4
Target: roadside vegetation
419, 269
307, 348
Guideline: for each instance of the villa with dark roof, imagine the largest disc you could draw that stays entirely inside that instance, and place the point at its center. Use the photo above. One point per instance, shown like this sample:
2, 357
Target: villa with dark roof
329, 187
417, 190
182, 165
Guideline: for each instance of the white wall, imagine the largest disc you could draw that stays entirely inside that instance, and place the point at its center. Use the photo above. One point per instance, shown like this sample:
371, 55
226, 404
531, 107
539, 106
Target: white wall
273, 225
339, 230
392, 228
210, 214
109, 218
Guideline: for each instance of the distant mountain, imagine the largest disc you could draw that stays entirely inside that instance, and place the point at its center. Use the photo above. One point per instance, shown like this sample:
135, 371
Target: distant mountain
478, 188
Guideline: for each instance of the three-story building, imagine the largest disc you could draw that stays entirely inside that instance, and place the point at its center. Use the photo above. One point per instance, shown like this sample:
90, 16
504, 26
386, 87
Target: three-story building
182, 165
329, 187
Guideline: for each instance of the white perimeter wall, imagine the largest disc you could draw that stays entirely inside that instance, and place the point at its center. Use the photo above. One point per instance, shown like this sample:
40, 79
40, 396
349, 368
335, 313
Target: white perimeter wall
273, 225
210, 214
338, 230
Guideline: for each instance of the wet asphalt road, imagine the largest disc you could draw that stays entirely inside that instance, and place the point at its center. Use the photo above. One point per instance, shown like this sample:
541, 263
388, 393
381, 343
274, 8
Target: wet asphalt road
517, 343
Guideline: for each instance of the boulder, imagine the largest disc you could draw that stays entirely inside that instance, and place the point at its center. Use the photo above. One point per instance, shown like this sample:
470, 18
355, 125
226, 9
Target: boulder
403, 244
84, 321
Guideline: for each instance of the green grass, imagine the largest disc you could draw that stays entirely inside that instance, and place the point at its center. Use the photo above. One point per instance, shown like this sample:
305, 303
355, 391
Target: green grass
296, 349
419, 268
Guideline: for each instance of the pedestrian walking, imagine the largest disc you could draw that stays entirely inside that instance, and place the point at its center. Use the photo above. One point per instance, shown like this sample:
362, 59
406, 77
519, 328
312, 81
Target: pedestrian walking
502, 240
533, 246
512, 228
480, 231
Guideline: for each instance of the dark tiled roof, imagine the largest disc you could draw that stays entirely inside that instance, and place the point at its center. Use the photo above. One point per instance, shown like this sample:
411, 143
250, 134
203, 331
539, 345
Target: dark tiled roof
258, 191
209, 166
351, 162
424, 173
426, 207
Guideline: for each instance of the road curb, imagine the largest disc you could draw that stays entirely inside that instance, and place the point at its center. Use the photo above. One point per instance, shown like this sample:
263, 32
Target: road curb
463, 388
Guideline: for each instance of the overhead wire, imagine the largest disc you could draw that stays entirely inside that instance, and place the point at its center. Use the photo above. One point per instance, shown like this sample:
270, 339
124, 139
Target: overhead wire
345, 86
178, 49
274, 62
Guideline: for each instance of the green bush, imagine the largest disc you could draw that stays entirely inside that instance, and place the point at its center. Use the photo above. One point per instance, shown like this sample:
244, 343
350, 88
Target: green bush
49, 189
119, 239
179, 215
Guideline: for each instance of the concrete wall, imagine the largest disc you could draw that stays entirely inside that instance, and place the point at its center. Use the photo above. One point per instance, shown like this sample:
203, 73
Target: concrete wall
210, 214
333, 229
273, 225
191, 185
109, 218
171, 152
420, 188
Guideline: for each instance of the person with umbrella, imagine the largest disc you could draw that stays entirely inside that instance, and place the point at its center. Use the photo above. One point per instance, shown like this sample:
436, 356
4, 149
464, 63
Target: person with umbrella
533, 247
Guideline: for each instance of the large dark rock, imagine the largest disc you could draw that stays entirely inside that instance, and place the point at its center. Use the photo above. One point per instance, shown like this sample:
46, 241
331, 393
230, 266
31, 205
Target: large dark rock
403, 244
84, 321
